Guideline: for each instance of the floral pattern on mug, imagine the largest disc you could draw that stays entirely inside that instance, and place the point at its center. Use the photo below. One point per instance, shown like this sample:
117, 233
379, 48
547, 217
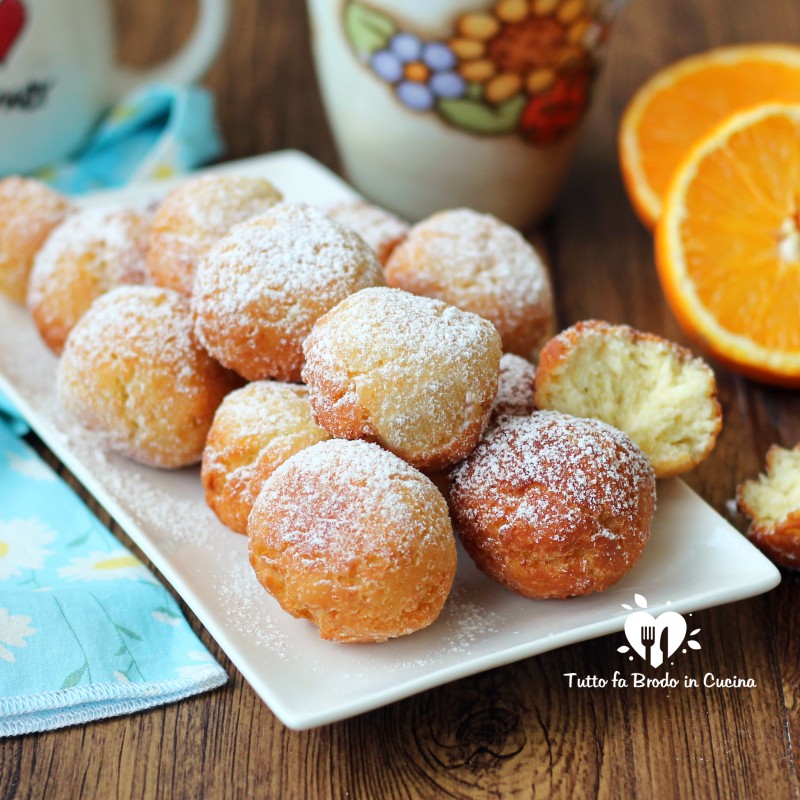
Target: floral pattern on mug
523, 66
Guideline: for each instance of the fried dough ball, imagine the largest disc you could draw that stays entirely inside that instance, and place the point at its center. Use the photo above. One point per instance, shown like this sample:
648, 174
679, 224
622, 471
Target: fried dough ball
553, 506
132, 370
255, 430
347, 535
194, 216
259, 291
29, 211
379, 228
515, 387
479, 264
772, 502
660, 394
413, 374
88, 254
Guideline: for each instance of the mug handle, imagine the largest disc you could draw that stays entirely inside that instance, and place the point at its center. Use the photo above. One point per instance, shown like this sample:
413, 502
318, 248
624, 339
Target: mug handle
192, 61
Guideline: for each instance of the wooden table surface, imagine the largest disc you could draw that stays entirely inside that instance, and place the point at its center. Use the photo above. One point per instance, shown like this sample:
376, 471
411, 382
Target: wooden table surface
517, 731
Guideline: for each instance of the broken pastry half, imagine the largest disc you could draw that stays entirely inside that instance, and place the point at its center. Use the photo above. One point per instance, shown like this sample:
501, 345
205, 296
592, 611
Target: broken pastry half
656, 391
772, 502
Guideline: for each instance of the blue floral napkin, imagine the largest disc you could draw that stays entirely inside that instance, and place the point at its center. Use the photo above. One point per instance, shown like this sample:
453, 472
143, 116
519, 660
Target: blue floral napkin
86, 631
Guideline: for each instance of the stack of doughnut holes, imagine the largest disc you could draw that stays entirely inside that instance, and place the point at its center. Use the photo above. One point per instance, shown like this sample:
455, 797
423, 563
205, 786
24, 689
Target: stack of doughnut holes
353, 386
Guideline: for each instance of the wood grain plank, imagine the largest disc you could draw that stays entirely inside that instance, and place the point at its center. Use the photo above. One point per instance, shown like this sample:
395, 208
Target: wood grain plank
738, 734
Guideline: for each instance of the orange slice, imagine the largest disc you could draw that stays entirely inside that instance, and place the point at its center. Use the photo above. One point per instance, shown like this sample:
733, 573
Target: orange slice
728, 243
685, 101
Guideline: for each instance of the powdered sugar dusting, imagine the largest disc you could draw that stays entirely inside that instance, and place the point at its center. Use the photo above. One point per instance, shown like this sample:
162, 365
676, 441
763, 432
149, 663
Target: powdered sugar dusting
146, 324
185, 521
194, 216
214, 203
331, 500
276, 275
201, 210
465, 622
379, 228
244, 600
177, 521
478, 263
30, 210
292, 249
515, 387
255, 429
423, 372
89, 253
132, 369
594, 467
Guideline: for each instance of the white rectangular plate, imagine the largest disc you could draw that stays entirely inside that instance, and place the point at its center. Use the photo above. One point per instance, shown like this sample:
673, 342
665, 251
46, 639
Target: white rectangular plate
694, 560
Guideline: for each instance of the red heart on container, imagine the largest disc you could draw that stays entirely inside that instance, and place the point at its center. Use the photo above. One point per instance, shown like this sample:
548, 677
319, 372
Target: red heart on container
12, 20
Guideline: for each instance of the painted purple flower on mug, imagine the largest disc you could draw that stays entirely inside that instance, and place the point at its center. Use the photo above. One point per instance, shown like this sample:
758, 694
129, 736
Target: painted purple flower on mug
421, 72
514, 66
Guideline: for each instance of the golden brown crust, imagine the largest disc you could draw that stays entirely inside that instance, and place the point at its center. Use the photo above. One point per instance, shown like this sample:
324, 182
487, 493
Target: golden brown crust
91, 252
338, 410
412, 374
29, 211
348, 536
255, 429
556, 358
259, 291
194, 216
553, 506
132, 371
779, 539
554, 352
336, 407
379, 228
560, 346
479, 264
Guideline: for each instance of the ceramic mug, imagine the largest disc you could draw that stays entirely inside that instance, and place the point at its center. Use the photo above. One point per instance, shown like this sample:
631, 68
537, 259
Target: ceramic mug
442, 103
57, 73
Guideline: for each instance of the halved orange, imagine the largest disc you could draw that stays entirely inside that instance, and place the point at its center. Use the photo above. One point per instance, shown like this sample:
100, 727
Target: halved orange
728, 243
686, 100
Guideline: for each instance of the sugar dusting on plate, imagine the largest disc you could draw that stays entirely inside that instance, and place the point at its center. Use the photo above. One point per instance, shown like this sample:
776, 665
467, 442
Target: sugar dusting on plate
177, 521
246, 609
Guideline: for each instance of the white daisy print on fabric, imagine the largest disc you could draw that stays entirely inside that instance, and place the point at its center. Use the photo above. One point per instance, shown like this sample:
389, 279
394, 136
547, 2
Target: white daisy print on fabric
167, 616
22, 546
99, 566
13, 630
197, 671
32, 467
200, 655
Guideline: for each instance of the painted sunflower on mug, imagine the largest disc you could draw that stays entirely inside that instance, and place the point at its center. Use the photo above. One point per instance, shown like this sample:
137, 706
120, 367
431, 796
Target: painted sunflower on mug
523, 66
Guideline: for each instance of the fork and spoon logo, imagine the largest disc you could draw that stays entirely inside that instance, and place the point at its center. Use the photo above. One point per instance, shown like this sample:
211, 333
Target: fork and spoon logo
655, 639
